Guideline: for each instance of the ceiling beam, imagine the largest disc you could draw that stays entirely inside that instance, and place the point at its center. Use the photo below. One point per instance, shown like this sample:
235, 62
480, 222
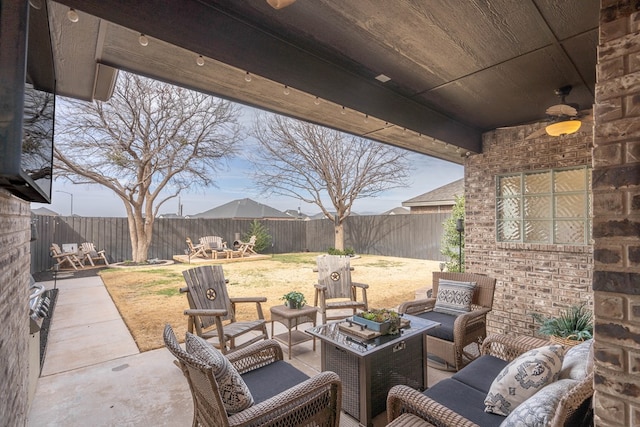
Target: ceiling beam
202, 28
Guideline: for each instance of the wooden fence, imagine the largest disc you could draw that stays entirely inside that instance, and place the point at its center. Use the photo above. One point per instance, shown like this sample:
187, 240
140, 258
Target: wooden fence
408, 236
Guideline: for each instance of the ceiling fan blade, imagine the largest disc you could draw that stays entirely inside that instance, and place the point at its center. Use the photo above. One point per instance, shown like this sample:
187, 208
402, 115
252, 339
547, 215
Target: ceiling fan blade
562, 110
537, 134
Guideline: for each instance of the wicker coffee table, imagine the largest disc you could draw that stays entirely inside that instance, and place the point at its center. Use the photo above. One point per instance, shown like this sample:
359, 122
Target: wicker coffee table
291, 318
369, 368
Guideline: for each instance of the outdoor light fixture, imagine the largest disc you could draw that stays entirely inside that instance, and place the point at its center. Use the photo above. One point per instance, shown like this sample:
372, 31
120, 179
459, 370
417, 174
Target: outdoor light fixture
200, 60
343, 111
73, 16
279, 4
247, 77
565, 127
460, 230
286, 90
143, 40
316, 101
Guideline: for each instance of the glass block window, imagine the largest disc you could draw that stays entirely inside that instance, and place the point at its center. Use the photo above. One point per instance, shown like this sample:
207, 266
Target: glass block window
551, 206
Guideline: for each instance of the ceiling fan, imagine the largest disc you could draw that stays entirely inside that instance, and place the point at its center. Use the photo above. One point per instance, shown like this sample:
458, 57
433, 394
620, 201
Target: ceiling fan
564, 118
279, 4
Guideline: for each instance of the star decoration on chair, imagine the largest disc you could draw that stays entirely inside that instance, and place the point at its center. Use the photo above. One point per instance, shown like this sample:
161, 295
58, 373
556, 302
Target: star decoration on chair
211, 294
335, 276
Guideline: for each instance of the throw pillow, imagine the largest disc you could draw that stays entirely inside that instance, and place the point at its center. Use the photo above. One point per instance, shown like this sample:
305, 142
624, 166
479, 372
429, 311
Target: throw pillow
234, 392
171, 342
523, 377
577, 361
454, 297
539, 409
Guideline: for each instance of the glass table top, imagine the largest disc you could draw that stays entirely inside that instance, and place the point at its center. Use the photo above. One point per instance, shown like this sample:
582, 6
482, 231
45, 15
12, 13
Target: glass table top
331, 333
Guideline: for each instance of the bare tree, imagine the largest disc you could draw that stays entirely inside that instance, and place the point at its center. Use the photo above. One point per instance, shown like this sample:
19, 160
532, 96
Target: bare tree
312, 163
150, 141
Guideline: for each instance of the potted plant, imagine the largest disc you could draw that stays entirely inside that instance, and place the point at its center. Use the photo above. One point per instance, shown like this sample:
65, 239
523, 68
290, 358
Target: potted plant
294, 299
571, 327
382, 320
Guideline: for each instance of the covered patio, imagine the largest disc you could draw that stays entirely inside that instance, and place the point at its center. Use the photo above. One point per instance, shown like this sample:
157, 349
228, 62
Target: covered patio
468, 83
94, 371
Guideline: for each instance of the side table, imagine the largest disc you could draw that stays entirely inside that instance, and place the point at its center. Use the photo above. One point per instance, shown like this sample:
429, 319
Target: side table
291, 318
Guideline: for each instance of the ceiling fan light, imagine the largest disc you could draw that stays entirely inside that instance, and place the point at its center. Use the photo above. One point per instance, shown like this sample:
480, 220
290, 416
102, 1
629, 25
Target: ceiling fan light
565, 127
279, 4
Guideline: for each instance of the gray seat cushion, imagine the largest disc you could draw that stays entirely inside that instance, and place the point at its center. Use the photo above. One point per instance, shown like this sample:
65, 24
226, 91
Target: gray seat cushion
445, 330
272, 379
481, 373
449, 392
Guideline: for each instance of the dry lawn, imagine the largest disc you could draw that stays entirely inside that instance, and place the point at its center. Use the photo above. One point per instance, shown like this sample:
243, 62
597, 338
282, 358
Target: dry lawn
149, 298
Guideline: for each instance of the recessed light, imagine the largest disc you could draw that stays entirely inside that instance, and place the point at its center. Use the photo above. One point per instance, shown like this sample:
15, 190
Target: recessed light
382, 78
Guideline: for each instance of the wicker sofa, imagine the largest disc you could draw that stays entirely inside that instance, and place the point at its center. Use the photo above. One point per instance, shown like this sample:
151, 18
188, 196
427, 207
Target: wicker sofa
460, 400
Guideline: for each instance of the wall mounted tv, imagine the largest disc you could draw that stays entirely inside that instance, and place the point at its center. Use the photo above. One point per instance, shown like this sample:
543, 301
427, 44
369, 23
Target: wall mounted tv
26, 158
27, 173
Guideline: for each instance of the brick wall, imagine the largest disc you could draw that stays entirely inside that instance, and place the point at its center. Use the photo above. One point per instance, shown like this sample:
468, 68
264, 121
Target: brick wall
616, 230
531, 278
14, 309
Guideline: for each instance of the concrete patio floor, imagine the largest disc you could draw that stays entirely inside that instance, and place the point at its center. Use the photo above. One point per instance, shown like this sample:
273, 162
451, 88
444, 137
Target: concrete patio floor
93, 373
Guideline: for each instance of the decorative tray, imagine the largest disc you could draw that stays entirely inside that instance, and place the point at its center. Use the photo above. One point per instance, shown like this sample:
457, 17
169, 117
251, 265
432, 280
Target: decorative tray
352, 328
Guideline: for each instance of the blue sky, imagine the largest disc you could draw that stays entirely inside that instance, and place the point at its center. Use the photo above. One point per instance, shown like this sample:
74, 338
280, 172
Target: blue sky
426, 173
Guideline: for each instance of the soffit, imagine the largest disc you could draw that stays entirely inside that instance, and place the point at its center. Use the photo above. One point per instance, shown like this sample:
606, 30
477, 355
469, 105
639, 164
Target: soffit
456, 68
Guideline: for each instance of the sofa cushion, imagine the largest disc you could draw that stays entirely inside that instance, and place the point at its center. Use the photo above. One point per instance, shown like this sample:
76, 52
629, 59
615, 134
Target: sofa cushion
454, 297
577, 363
445, 330
234, 392
269, 380
481, 373
523, 377
539, 409
464, 400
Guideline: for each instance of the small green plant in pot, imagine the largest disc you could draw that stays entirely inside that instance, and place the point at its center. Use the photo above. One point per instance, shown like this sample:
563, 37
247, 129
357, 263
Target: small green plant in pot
294, 299
571, 327
381, 315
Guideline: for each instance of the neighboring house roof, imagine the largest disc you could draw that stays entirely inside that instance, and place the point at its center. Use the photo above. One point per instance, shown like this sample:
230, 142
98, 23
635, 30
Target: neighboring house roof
321, 215
44, 211
242, 208
169, 215
444, 195
397, 211
294, 214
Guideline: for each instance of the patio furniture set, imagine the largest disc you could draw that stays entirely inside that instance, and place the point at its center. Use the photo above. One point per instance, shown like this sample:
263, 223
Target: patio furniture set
76, 257
247, 382
215, 247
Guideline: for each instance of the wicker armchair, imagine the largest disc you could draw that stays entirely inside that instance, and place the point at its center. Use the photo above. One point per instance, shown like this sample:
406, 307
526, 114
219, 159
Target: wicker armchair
448, 342
402, 399
313, 402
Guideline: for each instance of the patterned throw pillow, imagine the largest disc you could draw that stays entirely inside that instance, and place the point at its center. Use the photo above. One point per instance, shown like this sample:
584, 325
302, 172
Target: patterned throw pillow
577, 363
539, 409
235, 394
523, 377
454, 297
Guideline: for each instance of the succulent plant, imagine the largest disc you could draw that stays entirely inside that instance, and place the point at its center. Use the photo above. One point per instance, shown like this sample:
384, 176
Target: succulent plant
574, 323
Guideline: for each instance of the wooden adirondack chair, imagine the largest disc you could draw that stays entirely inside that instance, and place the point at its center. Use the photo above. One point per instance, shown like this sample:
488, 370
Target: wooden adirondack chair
210, 305
196, 250
246, 248
62, 258
335, 290
89, 253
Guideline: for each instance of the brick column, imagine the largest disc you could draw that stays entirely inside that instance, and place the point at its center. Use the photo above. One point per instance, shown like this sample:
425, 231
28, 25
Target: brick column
616, 222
